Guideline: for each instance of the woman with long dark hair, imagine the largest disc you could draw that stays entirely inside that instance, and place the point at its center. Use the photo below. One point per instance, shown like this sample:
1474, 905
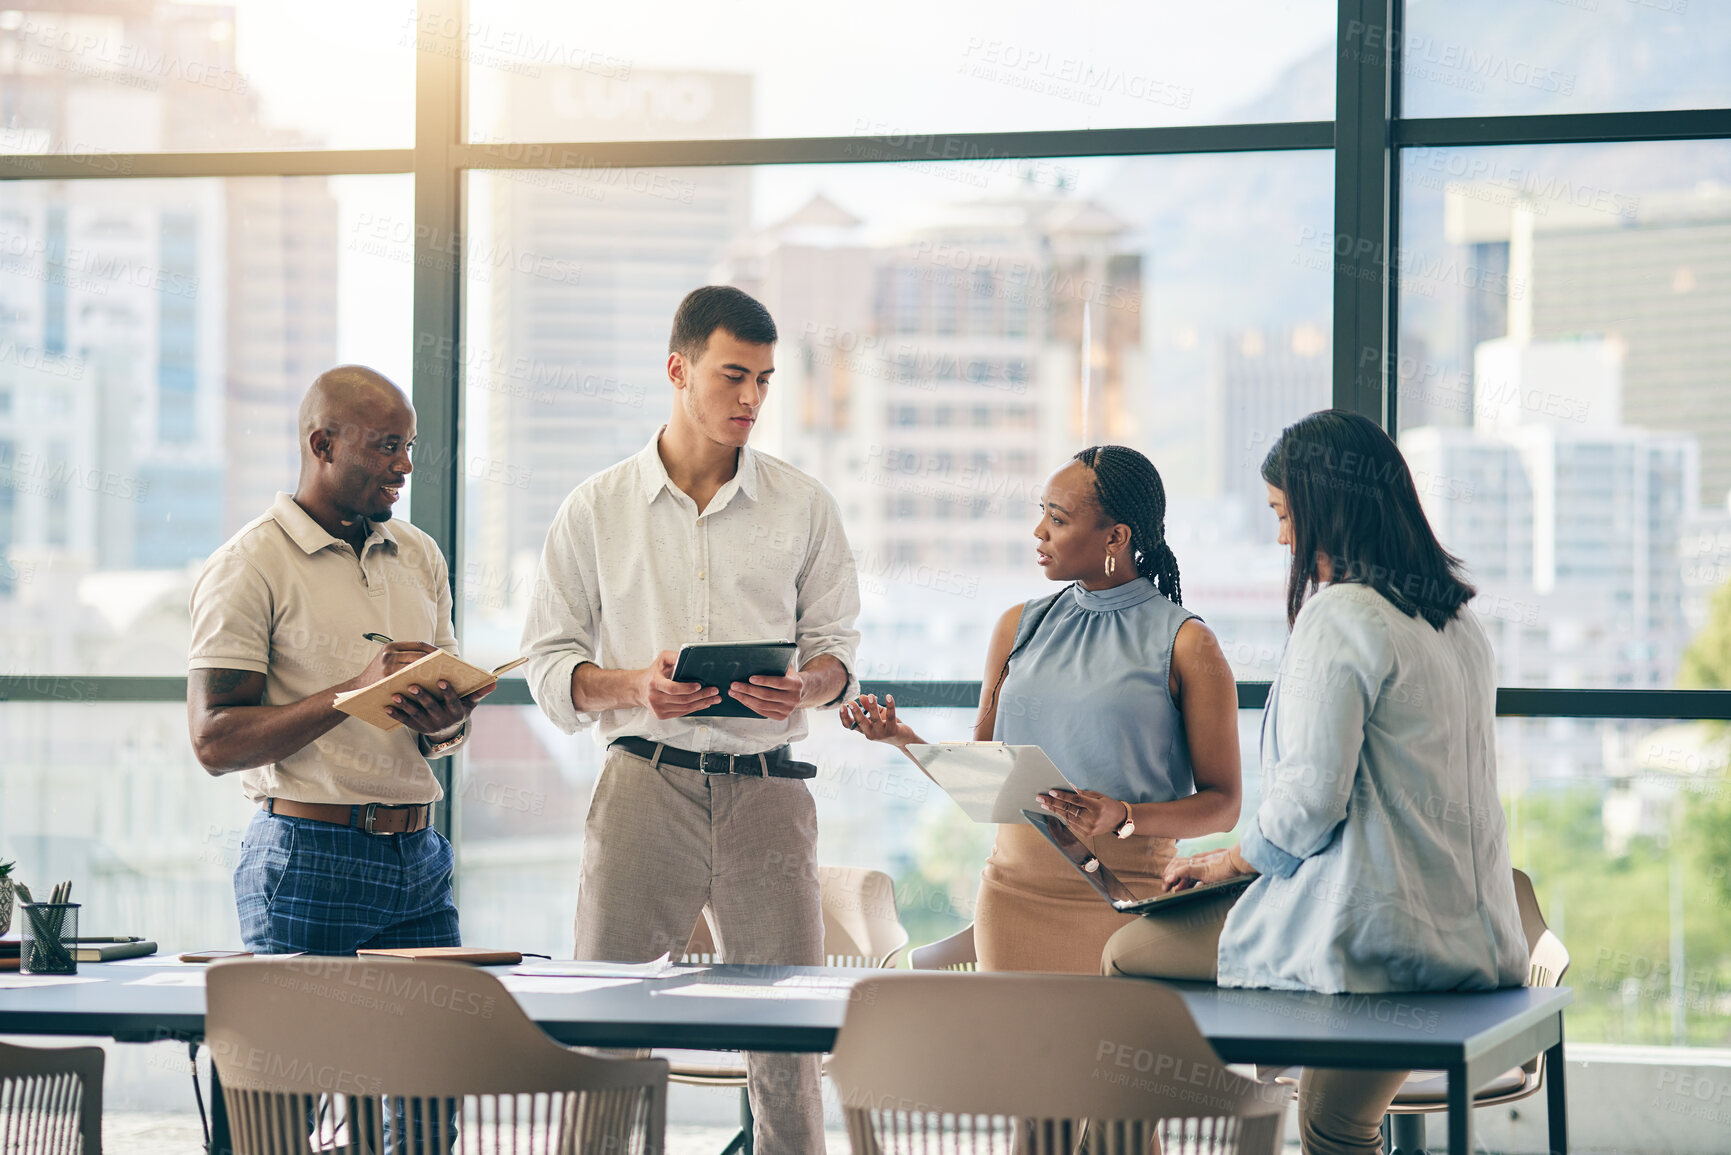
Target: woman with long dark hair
1379, 845
1125, 690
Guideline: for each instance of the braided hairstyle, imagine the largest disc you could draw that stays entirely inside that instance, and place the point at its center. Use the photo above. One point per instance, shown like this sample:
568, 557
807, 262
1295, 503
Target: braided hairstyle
1129, 491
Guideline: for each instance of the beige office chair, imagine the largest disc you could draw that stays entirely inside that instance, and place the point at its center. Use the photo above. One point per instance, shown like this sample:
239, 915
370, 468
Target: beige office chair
335, 1046
1042, 1064
50, 1100
1426, 1092
955, 953
860, 929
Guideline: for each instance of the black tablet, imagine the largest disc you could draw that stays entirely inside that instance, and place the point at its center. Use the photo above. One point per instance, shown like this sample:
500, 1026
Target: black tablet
721, 664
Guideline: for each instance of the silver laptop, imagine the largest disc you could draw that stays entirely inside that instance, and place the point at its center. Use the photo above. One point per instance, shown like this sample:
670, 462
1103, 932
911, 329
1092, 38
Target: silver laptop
1111, 888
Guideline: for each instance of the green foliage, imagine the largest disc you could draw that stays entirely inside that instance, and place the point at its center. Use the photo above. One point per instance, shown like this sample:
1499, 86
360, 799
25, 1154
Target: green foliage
1614, 915
1706, 664
935, 897
6, 868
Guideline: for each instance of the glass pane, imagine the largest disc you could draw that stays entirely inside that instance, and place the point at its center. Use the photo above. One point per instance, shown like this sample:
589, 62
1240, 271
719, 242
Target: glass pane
1622, 827
541, 70
1563, 398
155, 340
526, 787
950, 334
90, 76
1492, 58
109, 796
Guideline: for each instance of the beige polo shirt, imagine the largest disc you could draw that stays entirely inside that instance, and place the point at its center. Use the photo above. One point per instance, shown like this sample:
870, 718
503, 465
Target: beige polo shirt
285, 599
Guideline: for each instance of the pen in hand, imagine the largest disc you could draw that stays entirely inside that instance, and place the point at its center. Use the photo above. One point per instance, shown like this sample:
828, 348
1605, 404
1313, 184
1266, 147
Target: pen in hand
379, 638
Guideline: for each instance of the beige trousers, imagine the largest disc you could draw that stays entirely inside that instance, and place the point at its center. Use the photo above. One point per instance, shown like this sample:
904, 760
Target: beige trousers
662, 843
1339, 1111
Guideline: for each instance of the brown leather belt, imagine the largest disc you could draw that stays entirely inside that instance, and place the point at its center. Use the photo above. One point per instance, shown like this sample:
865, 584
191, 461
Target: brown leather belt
372, 817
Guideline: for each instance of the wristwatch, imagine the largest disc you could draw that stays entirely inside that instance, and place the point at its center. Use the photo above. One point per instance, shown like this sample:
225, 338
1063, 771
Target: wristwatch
1129, 824
434, 749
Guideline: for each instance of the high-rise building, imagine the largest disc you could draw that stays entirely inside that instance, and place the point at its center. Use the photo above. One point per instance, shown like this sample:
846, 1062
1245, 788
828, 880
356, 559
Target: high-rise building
584, 267
1653, 277
282, 331
1570, 523
1262, 383
933, 380
196, 311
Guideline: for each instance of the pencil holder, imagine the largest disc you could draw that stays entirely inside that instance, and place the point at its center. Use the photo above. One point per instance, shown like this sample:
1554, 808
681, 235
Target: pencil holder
48, 937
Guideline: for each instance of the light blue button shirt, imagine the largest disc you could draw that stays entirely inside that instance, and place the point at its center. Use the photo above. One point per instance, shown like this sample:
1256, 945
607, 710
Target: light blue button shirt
1380, 838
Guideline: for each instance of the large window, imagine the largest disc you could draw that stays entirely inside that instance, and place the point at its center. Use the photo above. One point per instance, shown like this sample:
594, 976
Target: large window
546, 71
1565, 393
156, 337
949, 335
88, 79
990, 235
1488, 58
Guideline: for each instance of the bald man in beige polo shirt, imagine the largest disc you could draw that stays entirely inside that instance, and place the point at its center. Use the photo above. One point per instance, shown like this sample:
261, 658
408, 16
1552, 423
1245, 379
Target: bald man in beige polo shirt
341, 854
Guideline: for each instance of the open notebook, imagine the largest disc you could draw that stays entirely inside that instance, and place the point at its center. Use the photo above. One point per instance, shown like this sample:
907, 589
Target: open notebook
368, 703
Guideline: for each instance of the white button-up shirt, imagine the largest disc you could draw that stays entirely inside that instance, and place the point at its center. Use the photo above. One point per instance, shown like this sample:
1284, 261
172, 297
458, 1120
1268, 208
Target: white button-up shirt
632, 567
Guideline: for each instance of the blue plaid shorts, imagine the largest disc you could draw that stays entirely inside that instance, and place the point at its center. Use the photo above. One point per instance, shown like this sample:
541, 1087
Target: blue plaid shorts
317, 887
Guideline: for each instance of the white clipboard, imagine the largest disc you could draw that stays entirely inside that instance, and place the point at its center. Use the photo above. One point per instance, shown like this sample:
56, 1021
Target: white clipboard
991, 781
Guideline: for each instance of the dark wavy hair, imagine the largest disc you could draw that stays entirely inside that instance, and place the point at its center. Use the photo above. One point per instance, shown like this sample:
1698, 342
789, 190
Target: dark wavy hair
1128, 490
1351, 499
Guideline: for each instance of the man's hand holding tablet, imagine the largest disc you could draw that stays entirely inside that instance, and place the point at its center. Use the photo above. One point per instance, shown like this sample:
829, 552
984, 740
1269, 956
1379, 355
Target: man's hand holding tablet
772, 696
659, 693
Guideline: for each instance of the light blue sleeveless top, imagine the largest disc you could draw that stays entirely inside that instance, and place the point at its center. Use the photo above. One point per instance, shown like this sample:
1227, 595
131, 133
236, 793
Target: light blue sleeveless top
1091, 688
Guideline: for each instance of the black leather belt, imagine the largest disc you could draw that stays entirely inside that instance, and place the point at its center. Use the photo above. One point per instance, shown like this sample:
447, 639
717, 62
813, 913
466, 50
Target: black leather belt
776, 763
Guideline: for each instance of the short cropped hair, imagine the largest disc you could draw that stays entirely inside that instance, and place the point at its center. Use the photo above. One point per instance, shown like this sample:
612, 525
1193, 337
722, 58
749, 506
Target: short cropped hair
719, 307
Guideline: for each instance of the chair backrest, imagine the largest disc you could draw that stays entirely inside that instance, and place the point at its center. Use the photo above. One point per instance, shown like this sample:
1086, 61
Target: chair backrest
1547, 957
1550, 959
50, 1100
440, 1041
1052, 1063
1532, 918
955, 953
860, 925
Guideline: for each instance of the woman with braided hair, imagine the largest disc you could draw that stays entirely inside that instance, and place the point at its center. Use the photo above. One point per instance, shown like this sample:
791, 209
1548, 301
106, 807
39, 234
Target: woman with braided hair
1125, 690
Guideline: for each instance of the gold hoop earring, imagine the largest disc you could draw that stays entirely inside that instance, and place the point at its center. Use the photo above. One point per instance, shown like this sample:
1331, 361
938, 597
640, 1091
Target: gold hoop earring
1111, 564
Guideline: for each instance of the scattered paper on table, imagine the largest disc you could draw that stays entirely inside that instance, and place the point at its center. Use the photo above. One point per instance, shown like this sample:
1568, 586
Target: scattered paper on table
181, 978
661, 968
154, 961
796, 987
522, 984
10, 981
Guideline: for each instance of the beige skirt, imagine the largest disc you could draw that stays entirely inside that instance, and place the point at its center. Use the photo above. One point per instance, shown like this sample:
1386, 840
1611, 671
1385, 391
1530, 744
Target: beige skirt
1037, 913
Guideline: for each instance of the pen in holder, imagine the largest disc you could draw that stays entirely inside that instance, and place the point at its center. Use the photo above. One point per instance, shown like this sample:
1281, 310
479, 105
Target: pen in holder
48, 933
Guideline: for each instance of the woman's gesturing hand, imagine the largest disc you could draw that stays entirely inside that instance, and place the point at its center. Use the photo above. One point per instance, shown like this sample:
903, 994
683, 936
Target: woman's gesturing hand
1087, 812
1214, 866
876, 720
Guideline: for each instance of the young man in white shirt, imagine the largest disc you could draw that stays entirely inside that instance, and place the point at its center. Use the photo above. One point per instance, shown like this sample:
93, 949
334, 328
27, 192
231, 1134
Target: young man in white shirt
698, 538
